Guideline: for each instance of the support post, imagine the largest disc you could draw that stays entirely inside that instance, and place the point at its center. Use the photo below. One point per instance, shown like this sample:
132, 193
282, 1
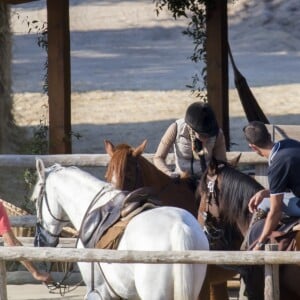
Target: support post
3, 290
217, 63
271, 277
59, 82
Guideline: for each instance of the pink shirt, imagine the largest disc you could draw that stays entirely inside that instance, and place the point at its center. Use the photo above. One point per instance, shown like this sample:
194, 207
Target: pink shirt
4, 220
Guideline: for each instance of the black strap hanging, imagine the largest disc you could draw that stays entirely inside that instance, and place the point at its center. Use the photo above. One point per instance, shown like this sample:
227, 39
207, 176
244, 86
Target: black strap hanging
252, 109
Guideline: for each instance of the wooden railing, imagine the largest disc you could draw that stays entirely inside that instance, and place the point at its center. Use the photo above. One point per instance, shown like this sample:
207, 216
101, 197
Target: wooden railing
101, 160
267, 258
73, 255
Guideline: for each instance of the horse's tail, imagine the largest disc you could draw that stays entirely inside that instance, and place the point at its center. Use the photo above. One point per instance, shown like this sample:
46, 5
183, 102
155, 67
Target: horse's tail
188, 278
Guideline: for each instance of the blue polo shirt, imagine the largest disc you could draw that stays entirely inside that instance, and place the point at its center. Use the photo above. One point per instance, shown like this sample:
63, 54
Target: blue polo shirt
284, 167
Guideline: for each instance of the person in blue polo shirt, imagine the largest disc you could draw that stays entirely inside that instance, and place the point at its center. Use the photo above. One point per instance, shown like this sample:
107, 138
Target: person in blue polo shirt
283, 176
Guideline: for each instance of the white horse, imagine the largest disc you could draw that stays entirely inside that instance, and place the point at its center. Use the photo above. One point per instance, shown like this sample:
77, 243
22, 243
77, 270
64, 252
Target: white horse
65, 193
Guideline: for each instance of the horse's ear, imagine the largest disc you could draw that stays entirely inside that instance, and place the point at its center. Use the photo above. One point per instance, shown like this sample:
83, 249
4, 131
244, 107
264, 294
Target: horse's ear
40, 168
234, 162
109, 147
139, 149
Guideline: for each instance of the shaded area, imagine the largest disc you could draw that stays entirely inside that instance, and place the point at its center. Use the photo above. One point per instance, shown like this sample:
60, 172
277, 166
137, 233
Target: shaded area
141, 59
130, 59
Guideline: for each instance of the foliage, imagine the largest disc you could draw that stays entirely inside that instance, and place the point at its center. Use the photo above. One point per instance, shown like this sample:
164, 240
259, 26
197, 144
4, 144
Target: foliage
38, 145
41, 29
195, 11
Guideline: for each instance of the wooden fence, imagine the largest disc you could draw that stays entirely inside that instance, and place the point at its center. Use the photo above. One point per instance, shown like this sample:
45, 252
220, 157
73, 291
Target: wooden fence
267, 258
101, 160
270, 259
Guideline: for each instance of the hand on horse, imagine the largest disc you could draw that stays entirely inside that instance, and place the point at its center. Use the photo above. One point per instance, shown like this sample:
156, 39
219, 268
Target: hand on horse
256, 200
259, 246
42, 276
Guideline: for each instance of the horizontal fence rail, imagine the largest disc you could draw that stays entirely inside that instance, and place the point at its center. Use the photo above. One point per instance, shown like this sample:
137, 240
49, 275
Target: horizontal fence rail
150, 257
101, 160
258, 163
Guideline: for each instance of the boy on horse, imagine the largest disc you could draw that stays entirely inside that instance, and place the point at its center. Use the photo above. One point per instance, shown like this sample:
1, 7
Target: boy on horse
283, 176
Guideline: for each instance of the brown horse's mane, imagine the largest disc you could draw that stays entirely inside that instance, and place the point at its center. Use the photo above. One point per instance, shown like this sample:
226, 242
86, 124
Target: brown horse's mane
236, 189
132, 171
117, 165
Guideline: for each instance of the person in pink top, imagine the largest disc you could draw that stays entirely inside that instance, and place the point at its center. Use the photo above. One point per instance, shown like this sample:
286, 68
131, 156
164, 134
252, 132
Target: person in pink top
11, 240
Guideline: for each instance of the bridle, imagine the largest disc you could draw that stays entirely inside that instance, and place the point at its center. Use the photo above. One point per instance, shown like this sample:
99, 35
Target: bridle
53, 287
43, 195
61, 286
212, 197
213, 222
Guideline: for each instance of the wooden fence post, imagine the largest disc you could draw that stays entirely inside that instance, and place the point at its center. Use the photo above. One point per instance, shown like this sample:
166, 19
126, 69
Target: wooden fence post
3, 291
271, 277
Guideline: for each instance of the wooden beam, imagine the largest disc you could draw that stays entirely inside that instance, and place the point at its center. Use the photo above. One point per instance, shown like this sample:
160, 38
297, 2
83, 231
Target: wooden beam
217, 63
101, 160
17, 1
59, 81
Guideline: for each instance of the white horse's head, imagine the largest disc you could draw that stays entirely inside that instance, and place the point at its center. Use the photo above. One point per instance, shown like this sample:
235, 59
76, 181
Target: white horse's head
62, 195
50, 216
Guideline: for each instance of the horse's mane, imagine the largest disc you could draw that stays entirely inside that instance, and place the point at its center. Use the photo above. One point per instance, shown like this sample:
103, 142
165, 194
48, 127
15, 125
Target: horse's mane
116, 166
130, 170
235, 192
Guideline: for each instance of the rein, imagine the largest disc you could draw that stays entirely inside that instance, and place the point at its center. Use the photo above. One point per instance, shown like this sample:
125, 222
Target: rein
213, 223
60, 286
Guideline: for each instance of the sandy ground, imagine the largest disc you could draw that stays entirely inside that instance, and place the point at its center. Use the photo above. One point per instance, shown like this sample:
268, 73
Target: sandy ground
130, 68
40, 292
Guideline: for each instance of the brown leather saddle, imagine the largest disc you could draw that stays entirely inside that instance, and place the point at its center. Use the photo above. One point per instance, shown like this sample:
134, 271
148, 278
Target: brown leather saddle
285, 234
124, 205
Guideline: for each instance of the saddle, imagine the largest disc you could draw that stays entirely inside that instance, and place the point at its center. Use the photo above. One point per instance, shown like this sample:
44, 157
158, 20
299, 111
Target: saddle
285, 234
118, 212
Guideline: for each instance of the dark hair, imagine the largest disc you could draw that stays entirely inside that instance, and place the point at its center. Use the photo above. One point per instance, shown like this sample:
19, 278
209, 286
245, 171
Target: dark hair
201, 118
256, 133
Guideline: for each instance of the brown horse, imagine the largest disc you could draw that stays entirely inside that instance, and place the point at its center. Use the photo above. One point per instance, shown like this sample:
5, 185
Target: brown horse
225, 193
129, 170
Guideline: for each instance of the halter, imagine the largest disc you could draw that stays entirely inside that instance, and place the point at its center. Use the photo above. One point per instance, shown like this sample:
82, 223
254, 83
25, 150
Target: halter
38, 241
39, 227
212, 195
219, 232
213, 227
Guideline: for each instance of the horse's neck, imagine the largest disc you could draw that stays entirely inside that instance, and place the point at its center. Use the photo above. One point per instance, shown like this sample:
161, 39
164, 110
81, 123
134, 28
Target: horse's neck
153, 176
243, 227
76, 192
79, 204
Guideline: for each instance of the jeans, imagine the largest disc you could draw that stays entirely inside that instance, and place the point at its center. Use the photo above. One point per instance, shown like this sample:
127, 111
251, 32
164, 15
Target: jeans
290, 205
